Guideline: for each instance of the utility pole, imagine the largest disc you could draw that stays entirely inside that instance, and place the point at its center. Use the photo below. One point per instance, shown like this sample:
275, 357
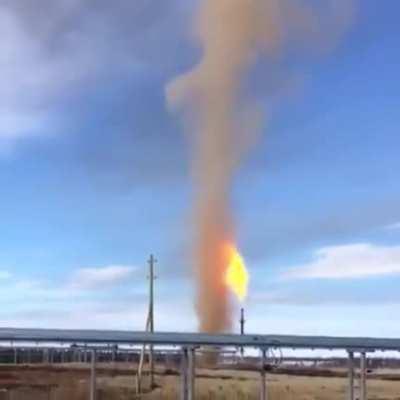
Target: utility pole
151, 261
149, 328
242, 322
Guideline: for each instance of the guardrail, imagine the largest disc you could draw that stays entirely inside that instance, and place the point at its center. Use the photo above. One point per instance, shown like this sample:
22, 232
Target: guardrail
190, 342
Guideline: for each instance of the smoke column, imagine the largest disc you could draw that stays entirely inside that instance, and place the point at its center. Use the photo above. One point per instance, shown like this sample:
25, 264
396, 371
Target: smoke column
232, 34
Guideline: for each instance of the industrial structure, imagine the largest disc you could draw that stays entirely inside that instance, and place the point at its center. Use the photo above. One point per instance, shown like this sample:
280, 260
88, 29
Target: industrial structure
190, 343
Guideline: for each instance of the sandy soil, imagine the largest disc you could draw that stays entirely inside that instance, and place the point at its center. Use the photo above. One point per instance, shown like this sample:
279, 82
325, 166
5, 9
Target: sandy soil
118, 382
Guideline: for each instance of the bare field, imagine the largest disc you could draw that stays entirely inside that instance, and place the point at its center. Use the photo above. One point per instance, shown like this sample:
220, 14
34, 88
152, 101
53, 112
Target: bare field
117, 382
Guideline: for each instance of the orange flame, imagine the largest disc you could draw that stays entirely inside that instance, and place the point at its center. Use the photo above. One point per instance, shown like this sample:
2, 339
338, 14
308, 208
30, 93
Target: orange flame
236, 276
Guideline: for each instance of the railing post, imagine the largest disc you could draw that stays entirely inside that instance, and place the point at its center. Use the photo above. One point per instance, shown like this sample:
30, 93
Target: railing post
191, 373
351, 374
184, 374
263, 387
114, 354
93, 389
363, 376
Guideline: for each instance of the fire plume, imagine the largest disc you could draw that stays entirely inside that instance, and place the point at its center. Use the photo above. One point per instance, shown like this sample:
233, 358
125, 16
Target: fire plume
224, 118
236, 276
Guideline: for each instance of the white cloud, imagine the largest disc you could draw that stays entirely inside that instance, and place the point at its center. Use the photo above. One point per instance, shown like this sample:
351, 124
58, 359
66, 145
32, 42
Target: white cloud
93, 278
350, 261
46, 59
82, 283
29, 81
4, 275
36, 75
393, 227
33, 303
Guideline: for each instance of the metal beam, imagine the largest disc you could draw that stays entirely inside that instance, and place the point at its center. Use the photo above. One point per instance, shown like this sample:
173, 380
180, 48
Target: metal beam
197, 339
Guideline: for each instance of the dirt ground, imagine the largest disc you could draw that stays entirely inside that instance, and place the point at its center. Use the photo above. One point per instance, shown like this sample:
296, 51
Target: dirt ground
117, 382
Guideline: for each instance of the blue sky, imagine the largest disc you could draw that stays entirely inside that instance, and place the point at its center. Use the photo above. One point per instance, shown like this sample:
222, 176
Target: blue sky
95, 176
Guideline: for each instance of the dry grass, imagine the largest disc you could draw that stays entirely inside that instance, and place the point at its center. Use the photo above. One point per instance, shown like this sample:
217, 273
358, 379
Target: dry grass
118, 383
280, 387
